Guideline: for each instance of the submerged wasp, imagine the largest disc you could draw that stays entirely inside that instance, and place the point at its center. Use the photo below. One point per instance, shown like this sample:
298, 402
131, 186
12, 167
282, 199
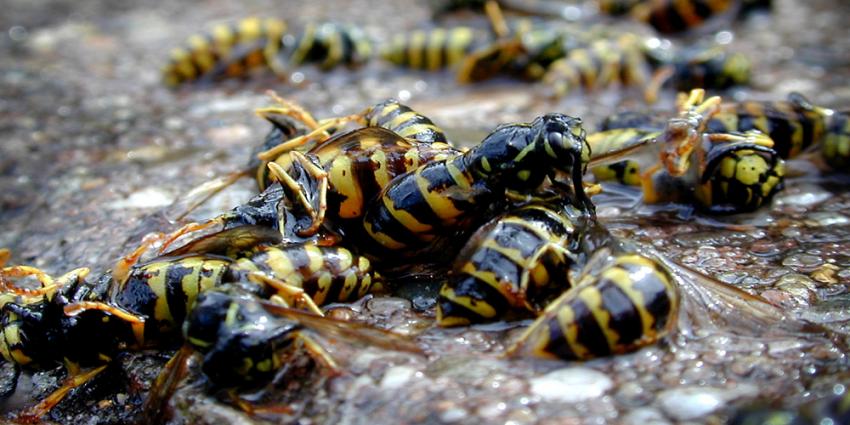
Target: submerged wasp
725, 172
229, 51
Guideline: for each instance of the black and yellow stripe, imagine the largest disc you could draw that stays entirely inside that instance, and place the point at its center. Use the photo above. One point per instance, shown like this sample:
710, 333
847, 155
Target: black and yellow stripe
447, 196
836, 143
327, 45
164, 290
326, 274
739, 179
515, 263
792, 126
631, 303
601, 64
227, 50
433, 50
404, 121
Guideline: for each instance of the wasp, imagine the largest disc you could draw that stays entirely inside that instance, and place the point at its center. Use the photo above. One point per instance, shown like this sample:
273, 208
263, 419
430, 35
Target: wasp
631, 301
669, 16
164, 289
230, 51
90, 323
245, 341
446, 196
434, 49
37, 332
726, 172
516, 263
323, 172
794, 125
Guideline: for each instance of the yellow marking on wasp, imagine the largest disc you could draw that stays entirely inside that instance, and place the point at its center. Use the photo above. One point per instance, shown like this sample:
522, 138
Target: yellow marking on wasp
382, 175
314, 255
223, 39
434, 49
626, 284
365, 285
335, 49
201, 50
591, 296
513, 254
400, 119
198, 342
415, 49
231, 315
324, 285
459, 39
156, 282
305, 44
405, 218
485, 164
411, 158
566, 318
348, 286
481, 307
382, 238
346, 184
523, 174
250, 29
412, 130
282, 267
382, 115
441, 205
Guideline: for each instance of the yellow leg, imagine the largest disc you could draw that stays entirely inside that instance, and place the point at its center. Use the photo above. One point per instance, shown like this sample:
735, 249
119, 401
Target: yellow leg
186, 229
319, 354
206, 191
136, 322
316, 213
74, 380
496, 18
650, 196
48, 284
289, 293
288, 108
121, 269
659, 78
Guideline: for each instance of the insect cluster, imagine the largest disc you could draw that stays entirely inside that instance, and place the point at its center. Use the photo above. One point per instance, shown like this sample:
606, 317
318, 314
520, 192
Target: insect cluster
345, 204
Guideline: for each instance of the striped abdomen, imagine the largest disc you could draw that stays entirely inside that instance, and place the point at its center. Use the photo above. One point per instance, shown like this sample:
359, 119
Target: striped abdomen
601, 64
515, 263
432, 50
836, 143
163, 291
740, 180
327, 274
406, 122
327, 45
228, 50
362, 163
632, 303
792, 127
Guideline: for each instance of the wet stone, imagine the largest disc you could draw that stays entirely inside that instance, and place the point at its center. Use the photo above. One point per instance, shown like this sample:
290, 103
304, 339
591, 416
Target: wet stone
571, 384
690, 403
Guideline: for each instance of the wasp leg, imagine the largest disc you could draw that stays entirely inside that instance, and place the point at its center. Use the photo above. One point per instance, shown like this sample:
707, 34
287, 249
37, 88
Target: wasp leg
319, 355
320, 134
122, 267
136, 322
165, 384
659, 78
498, 23
751, 137
650, 195
683, 134
48, 284
253, 410
75, 379
309, 190
288, 108
289, 293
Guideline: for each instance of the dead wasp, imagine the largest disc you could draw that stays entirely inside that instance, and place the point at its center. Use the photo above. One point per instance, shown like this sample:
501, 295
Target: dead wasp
229, 51
516, 263
627, 302
90, 323
434, 49
245, 341
323, 173
726, 172
669, 16
794, 125
447, 196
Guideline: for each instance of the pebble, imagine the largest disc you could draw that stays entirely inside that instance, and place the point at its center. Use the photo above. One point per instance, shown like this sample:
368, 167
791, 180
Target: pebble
571, 385
688, 403
397, 376
146, 198
644, 416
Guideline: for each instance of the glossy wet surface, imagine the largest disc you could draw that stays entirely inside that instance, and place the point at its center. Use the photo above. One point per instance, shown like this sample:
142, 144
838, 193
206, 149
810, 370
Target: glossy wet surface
93, 150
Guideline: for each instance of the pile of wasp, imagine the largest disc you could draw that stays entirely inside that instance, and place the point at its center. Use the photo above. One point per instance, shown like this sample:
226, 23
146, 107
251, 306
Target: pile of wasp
346, 203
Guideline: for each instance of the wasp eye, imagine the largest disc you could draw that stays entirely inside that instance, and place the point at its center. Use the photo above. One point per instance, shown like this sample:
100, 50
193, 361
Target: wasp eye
556, 138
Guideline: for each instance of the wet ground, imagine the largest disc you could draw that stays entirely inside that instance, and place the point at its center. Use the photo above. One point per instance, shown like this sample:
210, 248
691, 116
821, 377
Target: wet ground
93, 150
